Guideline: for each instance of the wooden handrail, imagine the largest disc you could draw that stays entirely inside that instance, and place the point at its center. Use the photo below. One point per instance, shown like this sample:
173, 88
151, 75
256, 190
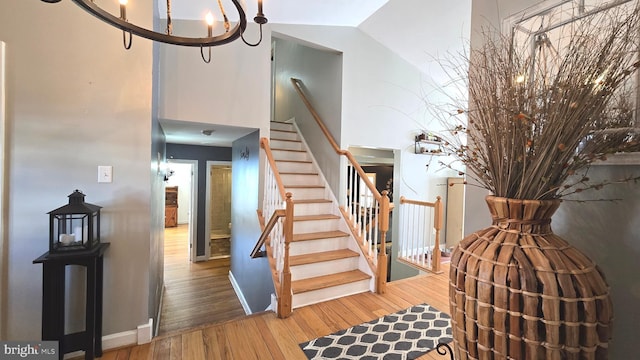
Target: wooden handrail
382, 199
265, 233
297, 84
404, 200
264, 144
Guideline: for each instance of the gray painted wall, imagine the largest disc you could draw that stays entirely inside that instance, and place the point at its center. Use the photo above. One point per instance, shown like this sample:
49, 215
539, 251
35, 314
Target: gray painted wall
321, 72
253, 275
200, 154
76, 100
606, 231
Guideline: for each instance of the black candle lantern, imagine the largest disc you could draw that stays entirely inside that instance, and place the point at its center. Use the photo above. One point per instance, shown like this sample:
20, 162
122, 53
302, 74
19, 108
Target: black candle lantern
75, 226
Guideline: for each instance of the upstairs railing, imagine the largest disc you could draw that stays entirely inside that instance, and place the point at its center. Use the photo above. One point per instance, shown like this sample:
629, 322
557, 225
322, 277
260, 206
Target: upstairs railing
420, 224
365, 210
277, 234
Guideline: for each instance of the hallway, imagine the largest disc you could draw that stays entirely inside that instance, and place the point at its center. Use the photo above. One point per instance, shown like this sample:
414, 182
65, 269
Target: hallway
195, 293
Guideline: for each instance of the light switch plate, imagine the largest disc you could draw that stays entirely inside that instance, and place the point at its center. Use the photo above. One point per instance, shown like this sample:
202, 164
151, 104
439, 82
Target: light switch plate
105, 173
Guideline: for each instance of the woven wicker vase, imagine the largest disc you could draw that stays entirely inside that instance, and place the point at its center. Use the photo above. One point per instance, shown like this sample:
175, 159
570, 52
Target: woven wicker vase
518, 291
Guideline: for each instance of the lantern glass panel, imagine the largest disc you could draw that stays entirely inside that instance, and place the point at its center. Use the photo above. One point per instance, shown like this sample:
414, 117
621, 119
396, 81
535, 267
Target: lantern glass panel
75, 226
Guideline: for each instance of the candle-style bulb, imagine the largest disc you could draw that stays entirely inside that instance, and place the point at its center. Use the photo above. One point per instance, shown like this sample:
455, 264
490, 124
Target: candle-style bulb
123, 9
209, 19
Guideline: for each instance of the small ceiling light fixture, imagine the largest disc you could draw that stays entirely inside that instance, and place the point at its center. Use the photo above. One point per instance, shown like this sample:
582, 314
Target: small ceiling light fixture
207, 132
128, 29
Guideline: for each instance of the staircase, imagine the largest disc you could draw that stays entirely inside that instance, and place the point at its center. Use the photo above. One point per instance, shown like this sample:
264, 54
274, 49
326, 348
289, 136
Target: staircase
325, 261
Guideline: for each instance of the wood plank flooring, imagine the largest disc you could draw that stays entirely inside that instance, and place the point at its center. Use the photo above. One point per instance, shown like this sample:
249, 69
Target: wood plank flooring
264, 336
195, 293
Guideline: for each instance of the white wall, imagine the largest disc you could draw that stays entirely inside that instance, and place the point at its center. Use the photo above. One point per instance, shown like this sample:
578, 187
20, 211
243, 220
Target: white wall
75, 100
234, 89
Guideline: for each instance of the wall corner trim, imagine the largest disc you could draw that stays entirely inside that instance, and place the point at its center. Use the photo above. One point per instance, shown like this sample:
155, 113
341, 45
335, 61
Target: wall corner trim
145, 332
236, 288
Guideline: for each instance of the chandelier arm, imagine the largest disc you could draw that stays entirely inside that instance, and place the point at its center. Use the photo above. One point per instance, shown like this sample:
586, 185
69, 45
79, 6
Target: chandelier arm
225, 38
206, 60
250, 44
127, 45
169, 23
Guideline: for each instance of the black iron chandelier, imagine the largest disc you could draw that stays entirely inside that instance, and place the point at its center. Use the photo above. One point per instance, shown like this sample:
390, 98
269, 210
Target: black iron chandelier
130, 29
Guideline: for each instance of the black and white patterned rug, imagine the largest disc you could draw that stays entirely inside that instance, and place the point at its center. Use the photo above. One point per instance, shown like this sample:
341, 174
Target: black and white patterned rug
406, 334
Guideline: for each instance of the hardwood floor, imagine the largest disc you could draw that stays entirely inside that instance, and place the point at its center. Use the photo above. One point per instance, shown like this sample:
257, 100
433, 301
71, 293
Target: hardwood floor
195, 293
264, 336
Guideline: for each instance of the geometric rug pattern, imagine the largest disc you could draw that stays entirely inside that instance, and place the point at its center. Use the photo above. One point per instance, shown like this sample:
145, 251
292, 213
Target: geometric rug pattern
407, 334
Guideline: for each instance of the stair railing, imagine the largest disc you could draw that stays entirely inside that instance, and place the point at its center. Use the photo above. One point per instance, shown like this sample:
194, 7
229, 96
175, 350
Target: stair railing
420, 226
366, 210
277, 233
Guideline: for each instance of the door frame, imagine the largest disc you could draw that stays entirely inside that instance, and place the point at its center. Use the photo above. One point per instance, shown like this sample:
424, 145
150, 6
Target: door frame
193, 207
207, 221
4, 254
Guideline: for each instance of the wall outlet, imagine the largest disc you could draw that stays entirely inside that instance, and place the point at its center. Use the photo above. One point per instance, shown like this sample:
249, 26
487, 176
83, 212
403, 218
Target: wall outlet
105, 173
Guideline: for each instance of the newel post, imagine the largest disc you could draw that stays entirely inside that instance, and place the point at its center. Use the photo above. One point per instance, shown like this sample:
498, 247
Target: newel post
381, 276
286, 298
437, 224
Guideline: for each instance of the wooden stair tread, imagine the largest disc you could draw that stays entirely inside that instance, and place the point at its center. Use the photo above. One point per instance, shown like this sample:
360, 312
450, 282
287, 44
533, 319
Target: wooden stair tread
285, 131
315, 217
311, 201
289, 150
272, 139
294, 161
323, 282
313, 258
319, 235
298, 173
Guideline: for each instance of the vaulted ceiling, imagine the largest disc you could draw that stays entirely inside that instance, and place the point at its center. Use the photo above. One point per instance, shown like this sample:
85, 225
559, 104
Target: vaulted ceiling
416, 30
310, 12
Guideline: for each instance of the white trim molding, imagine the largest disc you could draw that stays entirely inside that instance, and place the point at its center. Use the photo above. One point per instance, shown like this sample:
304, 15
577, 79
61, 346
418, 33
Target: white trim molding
3, 186
142, 335
236, 288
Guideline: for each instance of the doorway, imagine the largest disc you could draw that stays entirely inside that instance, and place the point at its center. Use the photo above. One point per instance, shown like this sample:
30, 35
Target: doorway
183, 180
218, 215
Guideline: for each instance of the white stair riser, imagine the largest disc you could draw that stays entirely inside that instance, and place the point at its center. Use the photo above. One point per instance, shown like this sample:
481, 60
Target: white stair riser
313, 208
305, 193
300, 179
282, 126
317, 245
310, 226
290, 155
290, 162
334, 292
281, 144
292, 166
284, 135
323, 268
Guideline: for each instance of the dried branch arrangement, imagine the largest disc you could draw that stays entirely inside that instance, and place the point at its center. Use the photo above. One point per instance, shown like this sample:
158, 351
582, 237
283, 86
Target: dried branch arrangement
531, 128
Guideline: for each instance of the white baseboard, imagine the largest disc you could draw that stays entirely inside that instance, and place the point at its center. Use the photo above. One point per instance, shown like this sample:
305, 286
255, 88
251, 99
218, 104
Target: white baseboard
236, 288
111, 341
273, 306
145, 332
117, 340
141, 335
